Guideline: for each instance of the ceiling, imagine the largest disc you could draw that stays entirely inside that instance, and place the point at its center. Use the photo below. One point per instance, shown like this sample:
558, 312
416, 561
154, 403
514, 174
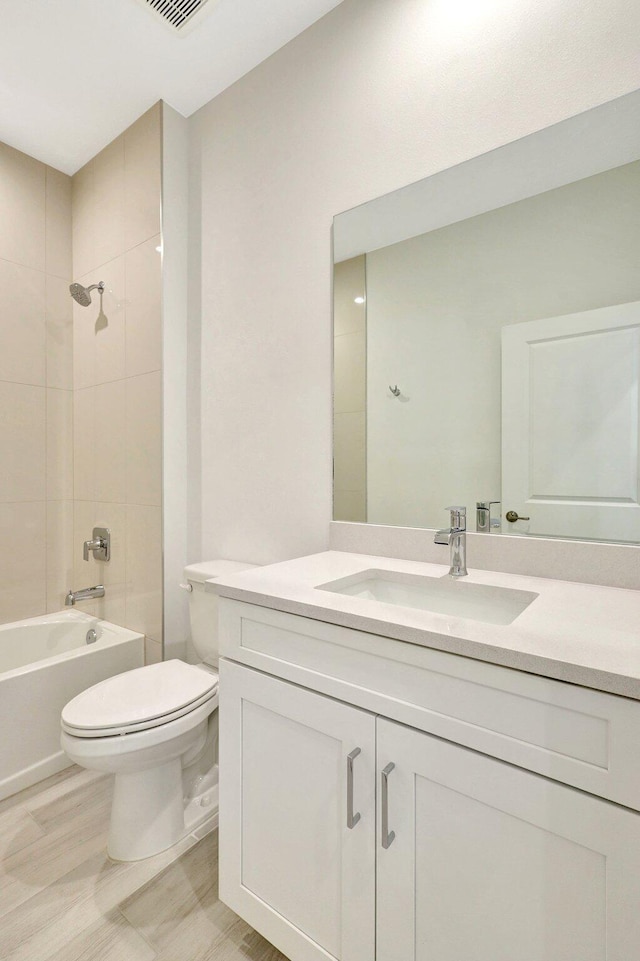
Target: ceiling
75, 73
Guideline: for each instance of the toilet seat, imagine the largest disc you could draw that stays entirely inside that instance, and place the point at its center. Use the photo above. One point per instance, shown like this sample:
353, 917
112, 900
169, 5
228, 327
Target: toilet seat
139, 700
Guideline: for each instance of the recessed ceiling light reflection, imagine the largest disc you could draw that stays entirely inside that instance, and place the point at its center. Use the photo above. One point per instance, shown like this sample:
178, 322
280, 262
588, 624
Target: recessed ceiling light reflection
358, 300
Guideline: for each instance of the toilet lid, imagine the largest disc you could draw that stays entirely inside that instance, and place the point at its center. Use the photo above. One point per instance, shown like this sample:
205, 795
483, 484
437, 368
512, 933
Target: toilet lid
139, 699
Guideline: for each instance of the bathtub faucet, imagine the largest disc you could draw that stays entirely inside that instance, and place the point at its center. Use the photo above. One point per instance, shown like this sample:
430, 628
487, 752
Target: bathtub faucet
83, 595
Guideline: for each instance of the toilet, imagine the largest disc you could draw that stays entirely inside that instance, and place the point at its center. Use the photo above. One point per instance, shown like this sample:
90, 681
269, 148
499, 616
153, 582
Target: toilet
156, 729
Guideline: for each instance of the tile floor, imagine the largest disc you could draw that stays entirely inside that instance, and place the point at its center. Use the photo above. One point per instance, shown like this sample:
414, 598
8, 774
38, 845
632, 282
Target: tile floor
62, 899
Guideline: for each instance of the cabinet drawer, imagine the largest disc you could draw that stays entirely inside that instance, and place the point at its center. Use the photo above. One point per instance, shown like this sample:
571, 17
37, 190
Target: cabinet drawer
576, 735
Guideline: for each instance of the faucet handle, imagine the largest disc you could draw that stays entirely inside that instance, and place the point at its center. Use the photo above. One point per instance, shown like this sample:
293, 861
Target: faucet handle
458, 517
99, 545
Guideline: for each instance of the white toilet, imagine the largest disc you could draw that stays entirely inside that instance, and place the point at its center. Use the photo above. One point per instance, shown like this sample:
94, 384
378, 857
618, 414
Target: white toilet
156, 729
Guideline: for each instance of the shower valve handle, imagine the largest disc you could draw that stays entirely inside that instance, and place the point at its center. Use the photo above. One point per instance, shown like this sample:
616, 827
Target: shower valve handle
99, 545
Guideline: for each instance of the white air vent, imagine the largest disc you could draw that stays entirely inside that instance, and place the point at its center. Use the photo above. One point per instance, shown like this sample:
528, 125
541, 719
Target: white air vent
180, 15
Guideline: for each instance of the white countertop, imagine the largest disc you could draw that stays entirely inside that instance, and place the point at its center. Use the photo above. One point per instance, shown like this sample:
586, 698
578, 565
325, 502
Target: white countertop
579, 633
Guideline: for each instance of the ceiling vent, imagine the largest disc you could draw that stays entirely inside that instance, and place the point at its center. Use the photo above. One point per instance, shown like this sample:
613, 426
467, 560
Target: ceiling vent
180, 15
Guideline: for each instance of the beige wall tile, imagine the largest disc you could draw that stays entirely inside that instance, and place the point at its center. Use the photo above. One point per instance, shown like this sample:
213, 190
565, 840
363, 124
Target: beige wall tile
22, 202
22, 324
100, 443
108, 200
99, 329
83, 444
349, 283
84, 334
59, 554
349, 506
84, 520
349, 452
118, 421
110, 449
58, 224
83, 221
142, 178
152, 651
22, 568
350, 372
112, 607
144, 439
59, 444
144, 570
59, 333
144, 308
22, 443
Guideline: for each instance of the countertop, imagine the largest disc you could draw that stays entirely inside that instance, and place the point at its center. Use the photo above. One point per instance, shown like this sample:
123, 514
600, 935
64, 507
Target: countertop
578, 633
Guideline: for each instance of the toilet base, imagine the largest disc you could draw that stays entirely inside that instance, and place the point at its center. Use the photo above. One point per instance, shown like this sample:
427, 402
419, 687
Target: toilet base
138, 832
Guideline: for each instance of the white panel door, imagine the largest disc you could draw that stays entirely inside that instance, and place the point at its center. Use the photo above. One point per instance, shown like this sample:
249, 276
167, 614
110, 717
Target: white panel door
493, 863
571, 424
293, 862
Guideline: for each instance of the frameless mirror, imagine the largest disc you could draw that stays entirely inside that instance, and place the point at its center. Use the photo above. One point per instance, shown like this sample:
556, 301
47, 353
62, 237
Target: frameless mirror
487, 340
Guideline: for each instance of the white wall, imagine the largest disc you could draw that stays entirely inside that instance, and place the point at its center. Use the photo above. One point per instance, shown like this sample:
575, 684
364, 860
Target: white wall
377, 94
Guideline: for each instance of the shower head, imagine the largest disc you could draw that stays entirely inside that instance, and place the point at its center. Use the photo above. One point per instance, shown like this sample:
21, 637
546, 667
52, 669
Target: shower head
82, 295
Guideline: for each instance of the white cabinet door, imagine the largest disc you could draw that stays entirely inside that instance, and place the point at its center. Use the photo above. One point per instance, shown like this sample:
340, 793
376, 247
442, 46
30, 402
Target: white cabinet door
570, 424
493, 863
293, 863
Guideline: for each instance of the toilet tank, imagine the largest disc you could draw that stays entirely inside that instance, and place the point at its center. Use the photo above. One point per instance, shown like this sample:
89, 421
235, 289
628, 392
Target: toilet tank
203, 605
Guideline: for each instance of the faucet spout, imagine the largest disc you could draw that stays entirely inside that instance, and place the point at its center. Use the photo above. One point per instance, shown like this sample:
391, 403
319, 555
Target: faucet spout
83, 595
455, 537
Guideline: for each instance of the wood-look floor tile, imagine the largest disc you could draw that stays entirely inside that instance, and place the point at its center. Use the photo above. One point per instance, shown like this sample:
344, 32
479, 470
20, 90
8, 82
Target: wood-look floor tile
47, 859
36, 790
17, 830
40, 926
60, 807
193, 923
191, 917
240, 943
63, 899
110, 939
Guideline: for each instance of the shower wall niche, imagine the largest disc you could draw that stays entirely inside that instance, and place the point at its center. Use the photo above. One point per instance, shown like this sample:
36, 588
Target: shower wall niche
36, 384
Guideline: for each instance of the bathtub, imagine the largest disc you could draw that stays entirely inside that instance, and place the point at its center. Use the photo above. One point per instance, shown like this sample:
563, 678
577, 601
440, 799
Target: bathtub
44, 662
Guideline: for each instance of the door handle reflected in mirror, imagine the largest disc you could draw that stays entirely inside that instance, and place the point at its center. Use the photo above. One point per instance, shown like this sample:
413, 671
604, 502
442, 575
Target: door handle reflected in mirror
513, 516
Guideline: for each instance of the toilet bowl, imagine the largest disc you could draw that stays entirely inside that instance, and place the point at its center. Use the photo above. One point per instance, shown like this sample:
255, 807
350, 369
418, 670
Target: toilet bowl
155, 729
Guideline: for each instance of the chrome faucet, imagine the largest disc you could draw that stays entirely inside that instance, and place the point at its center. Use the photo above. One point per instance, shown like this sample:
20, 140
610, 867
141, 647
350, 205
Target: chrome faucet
456, 537
84, 595
485, 521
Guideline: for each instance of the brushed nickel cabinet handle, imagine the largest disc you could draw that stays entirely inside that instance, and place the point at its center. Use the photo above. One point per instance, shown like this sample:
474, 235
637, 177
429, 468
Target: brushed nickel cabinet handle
352, 819
387, 837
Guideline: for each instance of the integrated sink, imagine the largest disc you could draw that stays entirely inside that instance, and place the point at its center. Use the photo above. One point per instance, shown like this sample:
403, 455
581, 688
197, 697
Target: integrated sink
439, 595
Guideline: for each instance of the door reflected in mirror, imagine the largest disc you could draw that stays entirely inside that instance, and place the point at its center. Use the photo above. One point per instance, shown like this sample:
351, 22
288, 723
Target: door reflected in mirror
495, 360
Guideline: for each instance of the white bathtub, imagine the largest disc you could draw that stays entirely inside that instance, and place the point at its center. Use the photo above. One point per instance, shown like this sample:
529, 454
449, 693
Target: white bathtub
44, 662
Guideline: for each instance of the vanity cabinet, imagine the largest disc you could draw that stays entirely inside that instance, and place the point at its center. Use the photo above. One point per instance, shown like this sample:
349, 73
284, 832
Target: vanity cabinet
456, 854
493, 863
297, 839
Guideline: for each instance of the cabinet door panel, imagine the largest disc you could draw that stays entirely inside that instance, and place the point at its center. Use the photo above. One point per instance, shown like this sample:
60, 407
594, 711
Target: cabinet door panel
289, 863
493, 863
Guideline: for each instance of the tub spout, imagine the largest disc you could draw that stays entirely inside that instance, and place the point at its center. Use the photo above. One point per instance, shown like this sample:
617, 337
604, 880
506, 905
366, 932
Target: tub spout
84, 595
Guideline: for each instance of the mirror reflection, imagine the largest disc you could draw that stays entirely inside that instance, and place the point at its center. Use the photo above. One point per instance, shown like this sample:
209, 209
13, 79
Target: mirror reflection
496, 362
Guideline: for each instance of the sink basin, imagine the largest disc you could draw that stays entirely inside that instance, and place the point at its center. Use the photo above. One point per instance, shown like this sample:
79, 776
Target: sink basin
440, 595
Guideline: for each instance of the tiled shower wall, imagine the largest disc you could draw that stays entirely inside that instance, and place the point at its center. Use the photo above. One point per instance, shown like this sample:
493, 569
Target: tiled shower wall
117, 377
36, 444
350, 390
